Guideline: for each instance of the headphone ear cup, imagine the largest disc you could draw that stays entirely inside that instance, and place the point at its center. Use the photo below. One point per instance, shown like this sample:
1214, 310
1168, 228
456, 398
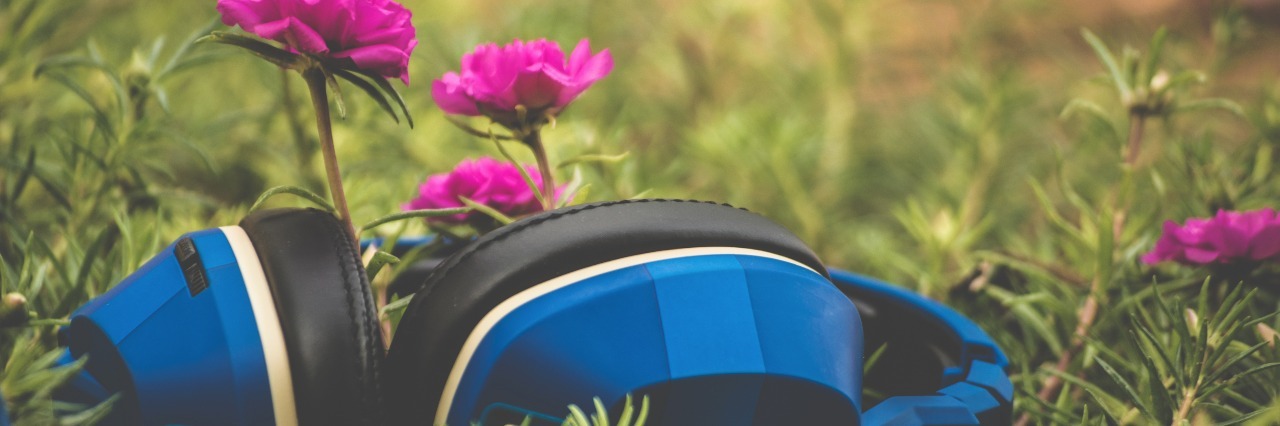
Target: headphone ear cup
331, 333
511, 259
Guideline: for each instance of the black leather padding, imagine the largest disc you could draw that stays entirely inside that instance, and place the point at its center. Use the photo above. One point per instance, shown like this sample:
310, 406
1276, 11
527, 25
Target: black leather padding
326, 312
504, 262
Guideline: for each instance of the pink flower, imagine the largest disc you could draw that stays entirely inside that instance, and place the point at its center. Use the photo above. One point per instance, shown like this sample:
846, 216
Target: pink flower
375, 35
486, 181
494, 80
1228, 237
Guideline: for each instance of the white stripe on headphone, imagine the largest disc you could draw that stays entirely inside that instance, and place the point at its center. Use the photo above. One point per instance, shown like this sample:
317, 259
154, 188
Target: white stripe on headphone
264, 314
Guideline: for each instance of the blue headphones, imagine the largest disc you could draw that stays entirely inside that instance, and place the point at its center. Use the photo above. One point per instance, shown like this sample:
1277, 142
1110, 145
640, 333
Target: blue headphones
716, 314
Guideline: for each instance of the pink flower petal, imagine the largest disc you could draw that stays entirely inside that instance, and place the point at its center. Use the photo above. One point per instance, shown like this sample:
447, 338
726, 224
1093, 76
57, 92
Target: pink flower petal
449, 95
534, 74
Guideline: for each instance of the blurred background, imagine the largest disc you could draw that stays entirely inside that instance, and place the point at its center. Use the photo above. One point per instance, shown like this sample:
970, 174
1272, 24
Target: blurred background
902, 139
842, 119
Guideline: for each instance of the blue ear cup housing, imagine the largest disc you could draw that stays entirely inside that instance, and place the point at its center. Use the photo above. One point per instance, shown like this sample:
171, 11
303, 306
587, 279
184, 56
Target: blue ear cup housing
718, 314
179, 338
633, 297
267, 322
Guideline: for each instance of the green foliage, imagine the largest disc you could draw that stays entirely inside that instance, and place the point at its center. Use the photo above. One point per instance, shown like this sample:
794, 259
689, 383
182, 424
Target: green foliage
601, 416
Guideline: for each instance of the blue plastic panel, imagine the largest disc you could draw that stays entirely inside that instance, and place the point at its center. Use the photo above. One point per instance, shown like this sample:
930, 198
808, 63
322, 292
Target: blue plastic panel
178, 358
977, 344
708, 336
920, 411
984, 396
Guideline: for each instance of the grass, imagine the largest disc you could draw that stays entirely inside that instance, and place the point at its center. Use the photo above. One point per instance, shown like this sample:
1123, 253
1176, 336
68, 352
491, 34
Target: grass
974, 152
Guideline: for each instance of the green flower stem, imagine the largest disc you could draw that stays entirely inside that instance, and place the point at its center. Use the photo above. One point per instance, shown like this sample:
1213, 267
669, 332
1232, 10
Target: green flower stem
1137, 122
534, 140
304, 147
316, 81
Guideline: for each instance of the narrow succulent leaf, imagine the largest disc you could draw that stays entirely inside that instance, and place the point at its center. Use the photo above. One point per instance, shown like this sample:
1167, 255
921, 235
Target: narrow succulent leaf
1111, 406
396, 305
1027, 315
1109, 60
488, 211
1187, 78
576, 417
413, 214
391, 92
644, 411
1199, 347
601, 414
100, 115
1159, 349
628, 409
1237, 304
93, 415
594, 158
870, 361
292, 190
476, 132
336, 92
28, 168
180, 55
1105, 250
368, 89
1052, 212
1221, 371
1162, 402
380, 260
1211, 104
280, 57
641, 194
117, 85
163, 98
524, 174
103, 242
1155, 52
154, 54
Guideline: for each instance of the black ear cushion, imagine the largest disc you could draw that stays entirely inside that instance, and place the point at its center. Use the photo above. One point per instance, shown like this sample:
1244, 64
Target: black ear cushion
326, 312
497, 266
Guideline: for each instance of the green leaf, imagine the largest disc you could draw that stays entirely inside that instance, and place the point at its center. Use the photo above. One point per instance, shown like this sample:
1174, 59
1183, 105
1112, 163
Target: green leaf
476, 132
292, 190
1163, 409
100, 116
1154, 53
1109, 60
1124, 384
28, 168
1158, 347
528, 180
391, 92
280, 57
644, 411
368, 89
411, 214
594, 158
1111, 405
488, 211
380, 259
179, 59
337, 93
396, 305
1211, 103
576, 417
601, 414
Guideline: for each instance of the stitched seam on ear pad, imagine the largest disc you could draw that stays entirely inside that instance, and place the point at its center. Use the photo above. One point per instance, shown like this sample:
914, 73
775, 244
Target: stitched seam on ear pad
346, 260
503, 233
